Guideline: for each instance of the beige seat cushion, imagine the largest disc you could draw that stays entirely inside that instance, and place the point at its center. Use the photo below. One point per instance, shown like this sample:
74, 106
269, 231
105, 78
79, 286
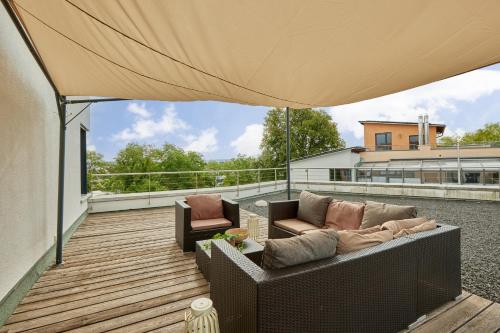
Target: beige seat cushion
205, 206
398, 225
344, 215
429, 225
210, 224
377, 213
313, 207
352, 241
295, 225
285, 252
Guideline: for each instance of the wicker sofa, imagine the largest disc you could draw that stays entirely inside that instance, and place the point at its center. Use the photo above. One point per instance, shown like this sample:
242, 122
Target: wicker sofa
378, 289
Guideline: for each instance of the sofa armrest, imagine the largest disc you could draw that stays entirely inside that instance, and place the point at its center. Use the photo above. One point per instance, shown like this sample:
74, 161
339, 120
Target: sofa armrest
282, 210
233, 288
231, 212
182, 216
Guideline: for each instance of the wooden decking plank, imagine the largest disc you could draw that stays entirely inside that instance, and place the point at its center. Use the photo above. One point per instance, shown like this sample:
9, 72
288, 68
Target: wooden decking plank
117, 278
455, 317
98, 299
123, 321
96, 309
488, 321
79, 292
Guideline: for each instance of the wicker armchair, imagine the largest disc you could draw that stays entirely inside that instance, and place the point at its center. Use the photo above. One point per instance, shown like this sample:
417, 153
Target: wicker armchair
281, 210
186, 237
379, 289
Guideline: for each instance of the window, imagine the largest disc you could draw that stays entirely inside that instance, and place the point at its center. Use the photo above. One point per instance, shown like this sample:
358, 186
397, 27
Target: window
413, 141
83, 161
383, 141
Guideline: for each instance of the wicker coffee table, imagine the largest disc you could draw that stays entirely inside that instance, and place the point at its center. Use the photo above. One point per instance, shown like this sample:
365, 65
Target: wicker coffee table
252, 251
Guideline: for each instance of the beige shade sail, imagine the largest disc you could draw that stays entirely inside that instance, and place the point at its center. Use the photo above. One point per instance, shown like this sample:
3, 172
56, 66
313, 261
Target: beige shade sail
261, 52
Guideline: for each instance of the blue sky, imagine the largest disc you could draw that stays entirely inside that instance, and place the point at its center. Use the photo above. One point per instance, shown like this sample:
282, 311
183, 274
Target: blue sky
222, 130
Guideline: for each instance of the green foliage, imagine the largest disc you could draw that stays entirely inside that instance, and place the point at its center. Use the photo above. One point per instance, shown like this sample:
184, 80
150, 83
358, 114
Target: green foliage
311, 132
490, 133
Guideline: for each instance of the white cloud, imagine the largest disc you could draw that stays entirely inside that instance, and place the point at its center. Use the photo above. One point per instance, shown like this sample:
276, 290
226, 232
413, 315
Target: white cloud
249, 142
431, 99
139, 109
91, 148
206, 142
144, 127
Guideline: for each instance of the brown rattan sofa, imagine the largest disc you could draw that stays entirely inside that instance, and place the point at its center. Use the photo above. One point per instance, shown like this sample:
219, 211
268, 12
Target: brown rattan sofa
186, 237
378, 289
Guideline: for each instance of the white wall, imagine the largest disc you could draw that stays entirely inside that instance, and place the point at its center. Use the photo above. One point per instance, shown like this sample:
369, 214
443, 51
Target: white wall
29, 140
340, 159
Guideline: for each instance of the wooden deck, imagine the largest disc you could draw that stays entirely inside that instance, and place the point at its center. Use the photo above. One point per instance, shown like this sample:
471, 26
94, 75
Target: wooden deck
123, 272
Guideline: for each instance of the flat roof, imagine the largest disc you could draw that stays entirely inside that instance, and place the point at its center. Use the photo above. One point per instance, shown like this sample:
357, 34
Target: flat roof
354, 149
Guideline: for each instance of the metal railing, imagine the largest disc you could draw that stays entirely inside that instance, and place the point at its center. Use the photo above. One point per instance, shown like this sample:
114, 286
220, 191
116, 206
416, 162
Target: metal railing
465, 176
140, 182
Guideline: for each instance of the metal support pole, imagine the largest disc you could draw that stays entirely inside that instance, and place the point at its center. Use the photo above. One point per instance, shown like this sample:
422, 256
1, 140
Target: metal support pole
61, 106
275, 179
288, 173
149, 189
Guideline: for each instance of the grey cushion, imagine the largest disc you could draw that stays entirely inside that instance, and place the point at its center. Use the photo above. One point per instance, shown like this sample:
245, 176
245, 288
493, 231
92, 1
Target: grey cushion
285, 252
377, 213
313, 208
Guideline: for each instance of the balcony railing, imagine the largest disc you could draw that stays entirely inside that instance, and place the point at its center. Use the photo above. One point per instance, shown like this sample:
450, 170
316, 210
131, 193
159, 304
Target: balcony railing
140, 182
469, 176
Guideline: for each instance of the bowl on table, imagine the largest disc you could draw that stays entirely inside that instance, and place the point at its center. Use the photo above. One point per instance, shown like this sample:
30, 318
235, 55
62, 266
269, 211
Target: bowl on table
240, 233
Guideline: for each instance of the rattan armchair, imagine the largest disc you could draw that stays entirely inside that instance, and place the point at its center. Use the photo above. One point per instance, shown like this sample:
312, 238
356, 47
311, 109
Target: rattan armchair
186, 237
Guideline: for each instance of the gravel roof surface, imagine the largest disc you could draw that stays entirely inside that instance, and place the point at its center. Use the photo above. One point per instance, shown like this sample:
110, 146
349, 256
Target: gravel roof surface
480, 233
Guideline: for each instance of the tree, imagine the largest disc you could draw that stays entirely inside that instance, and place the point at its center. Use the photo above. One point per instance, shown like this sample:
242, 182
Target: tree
490, 133
311, 132
96, 165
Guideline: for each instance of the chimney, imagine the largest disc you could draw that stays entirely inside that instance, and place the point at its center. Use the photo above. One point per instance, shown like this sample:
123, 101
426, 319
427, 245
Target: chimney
420, 130
426, 130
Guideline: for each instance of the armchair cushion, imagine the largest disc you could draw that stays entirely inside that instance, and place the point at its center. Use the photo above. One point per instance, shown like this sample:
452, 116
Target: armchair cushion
377, 213
344, 215
295, 225
205, 206
285, 252
210, 224
313, 207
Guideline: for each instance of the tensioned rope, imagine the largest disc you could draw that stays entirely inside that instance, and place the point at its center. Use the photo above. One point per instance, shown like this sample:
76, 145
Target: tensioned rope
180, 61
124, 67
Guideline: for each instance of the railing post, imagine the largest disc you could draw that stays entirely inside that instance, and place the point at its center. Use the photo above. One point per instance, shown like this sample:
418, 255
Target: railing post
196, 182
334, 175
387, 175
371, 175
402, 175
275, 179
440, 176
258, 179
149, 189
484, 177
237, 183
307, 178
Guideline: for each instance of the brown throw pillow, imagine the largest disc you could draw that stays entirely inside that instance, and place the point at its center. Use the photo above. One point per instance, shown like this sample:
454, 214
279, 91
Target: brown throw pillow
205, 206
398, 225
377, 213
429, 225
352, 241
344, 215
313, 207
285, 252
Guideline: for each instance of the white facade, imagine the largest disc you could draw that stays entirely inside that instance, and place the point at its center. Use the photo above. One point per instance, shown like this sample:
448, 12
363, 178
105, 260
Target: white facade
316, 168
29, 153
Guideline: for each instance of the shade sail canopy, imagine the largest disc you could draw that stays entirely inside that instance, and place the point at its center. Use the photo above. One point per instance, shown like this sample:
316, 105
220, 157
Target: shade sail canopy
277, 53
